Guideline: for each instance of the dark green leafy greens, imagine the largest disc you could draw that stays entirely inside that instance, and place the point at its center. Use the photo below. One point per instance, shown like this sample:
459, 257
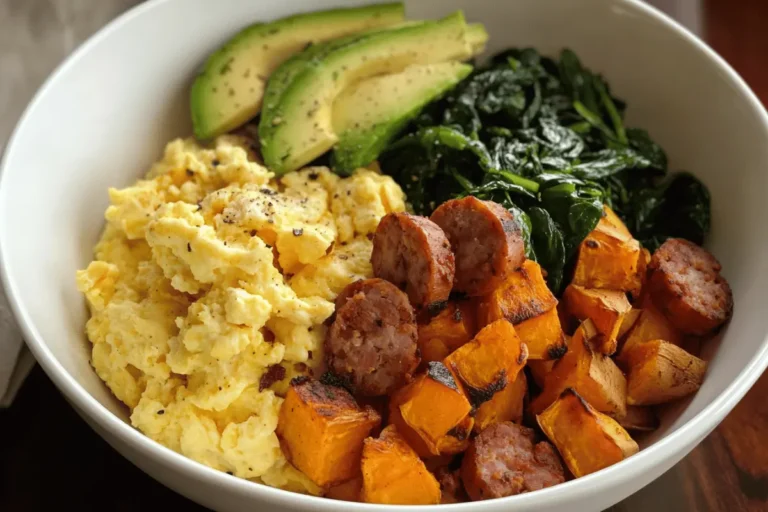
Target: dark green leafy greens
546, 139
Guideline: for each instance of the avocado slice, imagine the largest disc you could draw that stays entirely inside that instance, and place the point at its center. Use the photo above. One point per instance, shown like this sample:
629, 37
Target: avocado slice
228, 91
296, 120
369, 114
477, 37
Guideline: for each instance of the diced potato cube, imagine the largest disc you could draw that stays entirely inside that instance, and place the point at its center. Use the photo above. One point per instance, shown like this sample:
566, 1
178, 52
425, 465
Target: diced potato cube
606, 309
489, 362
638, 419
523, 295
347, 491
393, 474
506, 405
432, 404
660, 372
587, 439
650, 325
543, 336
448, 330
321, 430
608, 256
594, 375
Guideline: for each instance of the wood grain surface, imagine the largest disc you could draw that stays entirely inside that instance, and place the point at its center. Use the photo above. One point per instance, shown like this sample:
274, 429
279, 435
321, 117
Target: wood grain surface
49, 457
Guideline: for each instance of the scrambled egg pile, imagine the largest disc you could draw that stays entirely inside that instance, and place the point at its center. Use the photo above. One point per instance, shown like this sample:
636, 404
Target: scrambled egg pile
208, 293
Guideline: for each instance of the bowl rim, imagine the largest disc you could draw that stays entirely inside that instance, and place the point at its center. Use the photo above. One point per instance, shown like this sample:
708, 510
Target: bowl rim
698, 426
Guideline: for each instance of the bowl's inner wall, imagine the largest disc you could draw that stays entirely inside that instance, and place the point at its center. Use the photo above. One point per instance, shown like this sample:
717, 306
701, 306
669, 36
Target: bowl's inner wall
110, 111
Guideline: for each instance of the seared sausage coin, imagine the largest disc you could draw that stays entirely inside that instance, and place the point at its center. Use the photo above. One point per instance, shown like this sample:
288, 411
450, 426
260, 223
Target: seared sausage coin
486, 240
371, 343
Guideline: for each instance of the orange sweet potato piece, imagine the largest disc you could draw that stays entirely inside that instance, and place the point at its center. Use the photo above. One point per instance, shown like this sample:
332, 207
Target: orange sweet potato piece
506, 405
432, 404
540, 369
608, 256
523, 295
347, 491
606, 309
628, 322
587, 439
489, 362
393, 474
321, 430
638, 419
543, 336
443, 333
660, 372
641, 276
593, 374
454, 441
650, 325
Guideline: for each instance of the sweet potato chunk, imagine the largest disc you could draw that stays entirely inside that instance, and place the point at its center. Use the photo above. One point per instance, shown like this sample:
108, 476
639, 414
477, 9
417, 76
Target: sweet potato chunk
660, 371
641, 276
587, 439
638, 419
489, 362
431, 405
523, 295
606, 309
594, 375
454, 441
321, 430
628, 322
539, 370
506, 405
393, 474
543, 336
347, 491
650, 325
443, 333
608, 256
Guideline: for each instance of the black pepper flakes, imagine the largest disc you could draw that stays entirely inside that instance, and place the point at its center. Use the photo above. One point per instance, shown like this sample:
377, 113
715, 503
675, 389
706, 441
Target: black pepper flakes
189, 247
298, 231
190, 172
313, 176
309, 353
161, 412
253, 232
215, 162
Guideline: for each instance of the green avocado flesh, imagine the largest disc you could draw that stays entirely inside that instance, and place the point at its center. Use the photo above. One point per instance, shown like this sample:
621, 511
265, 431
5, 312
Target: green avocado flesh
296, 123
229, 90
369, 114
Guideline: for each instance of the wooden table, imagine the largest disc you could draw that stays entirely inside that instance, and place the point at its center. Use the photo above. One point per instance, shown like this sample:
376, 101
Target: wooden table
50, 457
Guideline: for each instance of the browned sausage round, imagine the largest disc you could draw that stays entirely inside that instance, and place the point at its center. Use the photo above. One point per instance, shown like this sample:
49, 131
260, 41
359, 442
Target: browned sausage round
372, 341
685, 283
503, 461
486, 240
413, 253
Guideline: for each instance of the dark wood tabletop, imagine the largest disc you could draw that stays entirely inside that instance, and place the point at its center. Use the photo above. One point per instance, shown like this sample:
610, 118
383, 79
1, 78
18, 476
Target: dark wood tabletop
50, 457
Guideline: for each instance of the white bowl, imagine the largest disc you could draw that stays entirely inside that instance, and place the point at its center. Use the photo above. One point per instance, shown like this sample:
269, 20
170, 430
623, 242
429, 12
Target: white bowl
106, 113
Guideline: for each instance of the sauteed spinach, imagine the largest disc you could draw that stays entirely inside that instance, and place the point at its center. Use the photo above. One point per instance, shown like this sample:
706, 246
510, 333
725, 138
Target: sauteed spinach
546, 138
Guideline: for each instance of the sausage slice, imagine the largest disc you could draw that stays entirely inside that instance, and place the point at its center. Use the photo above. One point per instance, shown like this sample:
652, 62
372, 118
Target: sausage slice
371, 343
686, 285
486, 240
413, 253
503, 461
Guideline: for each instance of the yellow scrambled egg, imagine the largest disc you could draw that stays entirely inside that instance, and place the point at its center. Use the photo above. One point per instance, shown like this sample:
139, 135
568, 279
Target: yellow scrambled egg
210, 273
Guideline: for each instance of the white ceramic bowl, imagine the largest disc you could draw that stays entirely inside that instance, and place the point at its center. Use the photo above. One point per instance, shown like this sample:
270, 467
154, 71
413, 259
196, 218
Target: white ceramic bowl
106, 113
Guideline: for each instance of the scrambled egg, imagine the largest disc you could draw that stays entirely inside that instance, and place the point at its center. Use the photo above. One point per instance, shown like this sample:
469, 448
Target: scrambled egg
208, 293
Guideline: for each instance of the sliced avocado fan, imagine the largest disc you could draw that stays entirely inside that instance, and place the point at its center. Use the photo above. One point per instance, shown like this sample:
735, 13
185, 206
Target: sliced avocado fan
229, 90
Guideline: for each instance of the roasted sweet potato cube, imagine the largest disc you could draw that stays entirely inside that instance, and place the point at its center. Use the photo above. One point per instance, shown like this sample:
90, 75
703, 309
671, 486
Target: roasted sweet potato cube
587, 439
347, 491
608, 256
321, 430
393, 474
638, 419
506, 405
432, 404
540, 369
628, 322
660, 372
593, 374
543, 336
650, 325
523, 295
443, 333
641, 276
489, 362
606, 309
454, 441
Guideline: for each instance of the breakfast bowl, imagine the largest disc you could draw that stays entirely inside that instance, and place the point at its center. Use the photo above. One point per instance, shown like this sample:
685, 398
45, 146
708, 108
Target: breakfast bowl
106, 114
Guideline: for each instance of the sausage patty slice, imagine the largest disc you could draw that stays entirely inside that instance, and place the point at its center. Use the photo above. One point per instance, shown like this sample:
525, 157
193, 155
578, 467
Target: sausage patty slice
503, 461
371, 343
413, 253
685, 283
486, 241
